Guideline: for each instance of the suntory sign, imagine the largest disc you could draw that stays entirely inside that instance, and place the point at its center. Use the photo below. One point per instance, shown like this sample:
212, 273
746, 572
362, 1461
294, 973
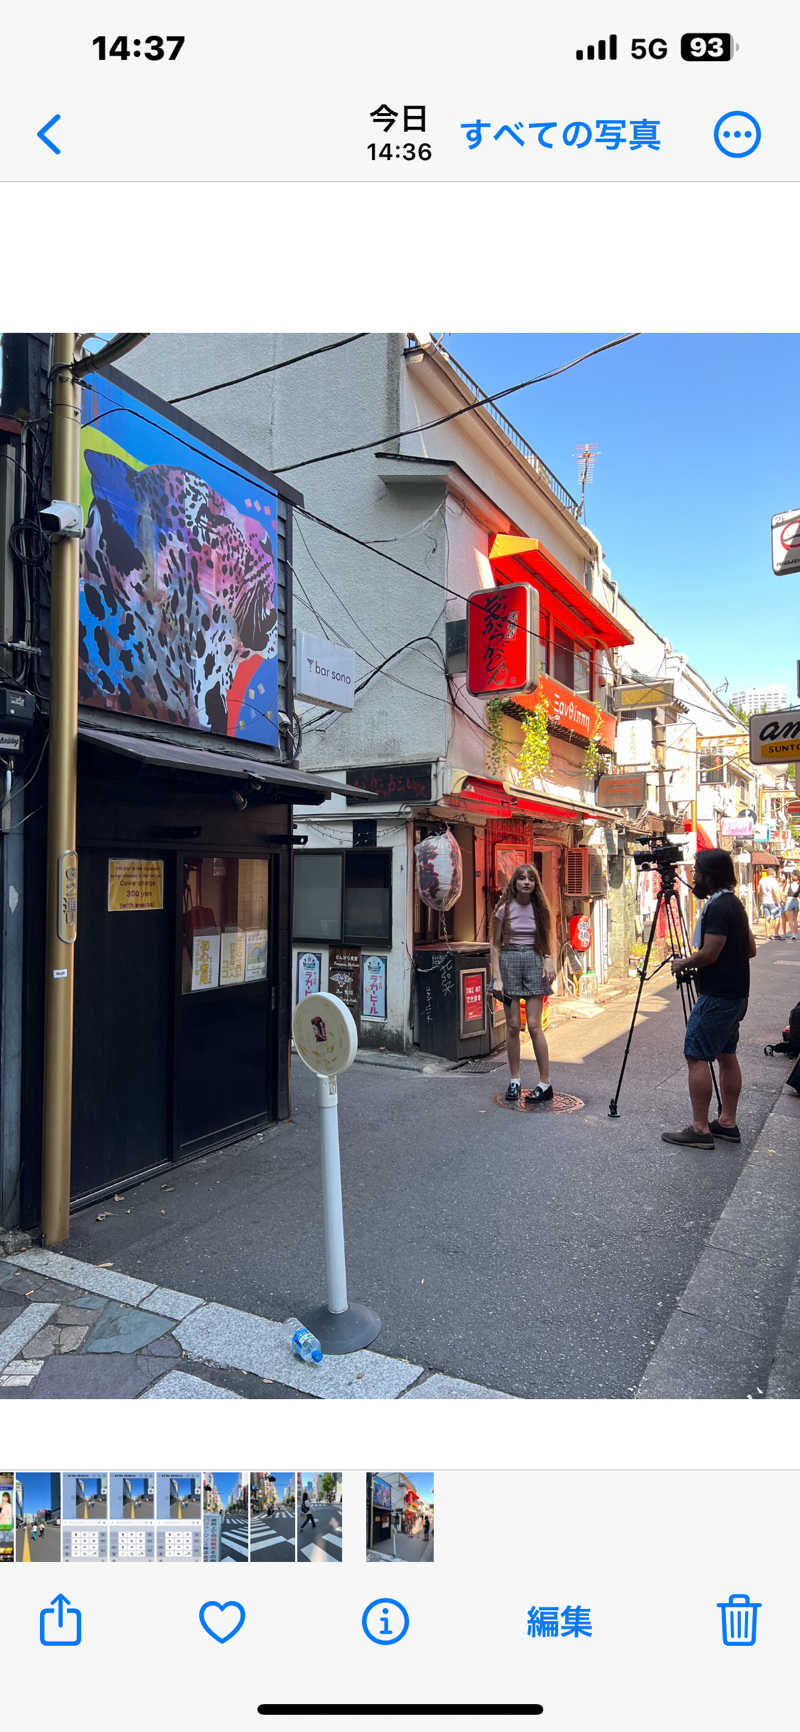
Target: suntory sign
775, 738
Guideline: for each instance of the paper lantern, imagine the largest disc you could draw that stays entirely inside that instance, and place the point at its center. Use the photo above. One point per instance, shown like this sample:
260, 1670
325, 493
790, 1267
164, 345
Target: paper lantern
439, 875
580, 932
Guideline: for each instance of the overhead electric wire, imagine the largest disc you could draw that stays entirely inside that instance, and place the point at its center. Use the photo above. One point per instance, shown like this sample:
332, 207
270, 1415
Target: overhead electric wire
466, 409
225, 384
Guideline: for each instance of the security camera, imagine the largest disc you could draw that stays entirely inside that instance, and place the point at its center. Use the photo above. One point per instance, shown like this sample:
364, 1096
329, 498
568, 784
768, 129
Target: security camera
62, 517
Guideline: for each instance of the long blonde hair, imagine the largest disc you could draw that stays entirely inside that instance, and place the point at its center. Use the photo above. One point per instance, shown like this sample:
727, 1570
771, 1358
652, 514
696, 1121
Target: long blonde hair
543, 936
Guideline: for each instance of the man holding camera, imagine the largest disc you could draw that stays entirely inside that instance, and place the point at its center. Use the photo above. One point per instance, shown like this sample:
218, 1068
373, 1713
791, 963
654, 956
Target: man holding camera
722, 964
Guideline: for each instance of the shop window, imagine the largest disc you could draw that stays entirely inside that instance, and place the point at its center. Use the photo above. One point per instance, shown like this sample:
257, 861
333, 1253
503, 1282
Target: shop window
343, 897
562, 658
225, 905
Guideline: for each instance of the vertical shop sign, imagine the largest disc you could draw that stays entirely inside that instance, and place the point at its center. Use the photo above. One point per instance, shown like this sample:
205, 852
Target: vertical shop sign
373, 988
344, 976
309, 973
473, 1002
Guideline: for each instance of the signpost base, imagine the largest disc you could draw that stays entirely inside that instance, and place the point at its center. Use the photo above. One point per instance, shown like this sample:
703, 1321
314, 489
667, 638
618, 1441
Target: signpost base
343, 1331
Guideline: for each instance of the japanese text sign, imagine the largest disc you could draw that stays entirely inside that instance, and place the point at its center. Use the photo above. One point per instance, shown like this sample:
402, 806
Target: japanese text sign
501, 638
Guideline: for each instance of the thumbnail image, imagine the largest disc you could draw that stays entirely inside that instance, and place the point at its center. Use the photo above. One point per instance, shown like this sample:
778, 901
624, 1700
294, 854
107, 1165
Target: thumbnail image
225, 1526
400, 1519
272, 1518
85, 1497
6, 1518
179, 1543
83, 1543
132, 1545
38, 1518
179, 1497
131, 1497
319, 1517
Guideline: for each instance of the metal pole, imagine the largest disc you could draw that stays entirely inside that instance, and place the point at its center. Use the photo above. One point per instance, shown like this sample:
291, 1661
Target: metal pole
58, 1005
332, 1214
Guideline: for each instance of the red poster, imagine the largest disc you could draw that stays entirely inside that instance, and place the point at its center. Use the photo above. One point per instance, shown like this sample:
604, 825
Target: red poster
473, 999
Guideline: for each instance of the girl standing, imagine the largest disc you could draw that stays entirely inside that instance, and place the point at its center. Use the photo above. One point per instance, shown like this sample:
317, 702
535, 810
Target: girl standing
522, 967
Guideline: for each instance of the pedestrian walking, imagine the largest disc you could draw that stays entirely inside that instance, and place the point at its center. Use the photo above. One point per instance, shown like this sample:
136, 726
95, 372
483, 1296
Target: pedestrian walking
306, 1511
522, 967
792, 903
722, 962
427, 1528
770, 897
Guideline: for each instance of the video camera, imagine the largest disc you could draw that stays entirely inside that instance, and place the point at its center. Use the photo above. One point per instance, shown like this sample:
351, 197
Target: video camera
661, 853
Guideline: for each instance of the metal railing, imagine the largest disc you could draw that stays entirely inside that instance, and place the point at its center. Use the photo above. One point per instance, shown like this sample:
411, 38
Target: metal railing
532, 457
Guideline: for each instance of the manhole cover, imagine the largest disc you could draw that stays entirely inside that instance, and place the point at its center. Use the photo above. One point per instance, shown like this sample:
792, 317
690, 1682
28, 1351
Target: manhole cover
559, 1104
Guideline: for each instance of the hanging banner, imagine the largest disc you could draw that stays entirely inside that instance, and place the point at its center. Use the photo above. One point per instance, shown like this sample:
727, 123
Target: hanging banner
501, 639
373, 988
309, 973
135, 886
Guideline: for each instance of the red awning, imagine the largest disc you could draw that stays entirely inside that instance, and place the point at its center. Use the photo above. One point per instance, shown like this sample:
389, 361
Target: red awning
517, 559
497, 801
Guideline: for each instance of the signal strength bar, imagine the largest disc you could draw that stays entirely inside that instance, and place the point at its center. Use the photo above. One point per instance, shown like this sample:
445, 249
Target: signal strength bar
603, 50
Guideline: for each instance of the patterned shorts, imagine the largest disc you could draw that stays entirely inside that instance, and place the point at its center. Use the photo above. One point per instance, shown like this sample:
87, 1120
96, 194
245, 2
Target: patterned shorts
522, 974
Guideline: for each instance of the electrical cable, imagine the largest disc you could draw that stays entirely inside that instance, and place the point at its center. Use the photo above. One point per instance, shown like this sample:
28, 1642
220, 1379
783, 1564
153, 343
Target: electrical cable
225, 384
467, 408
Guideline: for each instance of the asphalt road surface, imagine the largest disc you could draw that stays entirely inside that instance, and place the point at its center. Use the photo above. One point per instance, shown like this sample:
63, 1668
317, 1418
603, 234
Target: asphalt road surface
233, 1539
272, 1538
409, 1548
321, 1544
44, 1550
541, 1253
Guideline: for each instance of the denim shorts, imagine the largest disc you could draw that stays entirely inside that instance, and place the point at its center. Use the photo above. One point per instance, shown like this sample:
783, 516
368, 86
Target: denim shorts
713, 1027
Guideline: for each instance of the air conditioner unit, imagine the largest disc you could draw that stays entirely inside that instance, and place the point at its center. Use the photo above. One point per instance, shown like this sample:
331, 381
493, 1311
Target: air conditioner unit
597, 882
576, 872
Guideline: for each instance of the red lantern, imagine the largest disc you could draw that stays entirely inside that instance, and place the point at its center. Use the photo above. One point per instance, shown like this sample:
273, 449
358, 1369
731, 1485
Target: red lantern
580, 932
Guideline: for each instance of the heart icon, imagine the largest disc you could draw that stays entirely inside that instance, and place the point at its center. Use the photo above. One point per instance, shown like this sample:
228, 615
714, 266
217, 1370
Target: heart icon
222, 1621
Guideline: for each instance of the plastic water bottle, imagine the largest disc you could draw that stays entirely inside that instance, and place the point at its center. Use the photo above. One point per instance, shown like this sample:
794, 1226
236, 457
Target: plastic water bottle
306, 1346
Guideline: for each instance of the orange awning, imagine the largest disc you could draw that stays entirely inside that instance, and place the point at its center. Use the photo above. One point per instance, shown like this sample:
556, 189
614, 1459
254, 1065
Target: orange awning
517, 559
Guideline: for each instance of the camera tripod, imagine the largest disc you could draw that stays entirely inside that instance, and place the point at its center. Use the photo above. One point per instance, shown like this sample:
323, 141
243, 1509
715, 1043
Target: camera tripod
678, 938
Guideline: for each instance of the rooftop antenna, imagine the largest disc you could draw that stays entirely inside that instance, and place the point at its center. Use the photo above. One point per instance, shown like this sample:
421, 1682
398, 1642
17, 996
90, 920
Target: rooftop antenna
585, 457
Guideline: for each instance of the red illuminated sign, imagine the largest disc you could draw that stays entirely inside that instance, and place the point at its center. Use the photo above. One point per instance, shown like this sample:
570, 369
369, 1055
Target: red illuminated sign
501, 639
473, 1002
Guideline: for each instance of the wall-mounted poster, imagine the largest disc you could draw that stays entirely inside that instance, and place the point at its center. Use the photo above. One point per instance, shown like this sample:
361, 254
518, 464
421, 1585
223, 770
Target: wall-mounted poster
178, 589
473, 1002
255, 954
344, 976
205, 961
309, 973
373, 988
231, 957
135, 886
506, 860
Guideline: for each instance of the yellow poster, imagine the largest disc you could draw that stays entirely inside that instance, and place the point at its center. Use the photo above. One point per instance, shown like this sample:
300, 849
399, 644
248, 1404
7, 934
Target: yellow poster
134, 885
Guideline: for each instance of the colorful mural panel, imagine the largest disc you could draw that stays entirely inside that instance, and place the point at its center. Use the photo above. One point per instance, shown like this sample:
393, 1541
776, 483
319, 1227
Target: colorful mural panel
178, 601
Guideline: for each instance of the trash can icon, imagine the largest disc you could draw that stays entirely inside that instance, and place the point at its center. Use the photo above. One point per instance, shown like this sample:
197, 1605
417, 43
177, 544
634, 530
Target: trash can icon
739, 1614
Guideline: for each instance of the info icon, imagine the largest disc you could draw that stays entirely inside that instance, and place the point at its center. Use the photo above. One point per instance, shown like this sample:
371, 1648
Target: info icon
385, 1622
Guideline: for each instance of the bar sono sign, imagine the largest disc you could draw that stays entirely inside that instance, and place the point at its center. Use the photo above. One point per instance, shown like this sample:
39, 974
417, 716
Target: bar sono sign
501, 638
775, 737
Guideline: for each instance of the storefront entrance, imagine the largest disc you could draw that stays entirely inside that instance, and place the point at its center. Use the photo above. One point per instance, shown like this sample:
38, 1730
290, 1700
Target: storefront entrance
174, 1039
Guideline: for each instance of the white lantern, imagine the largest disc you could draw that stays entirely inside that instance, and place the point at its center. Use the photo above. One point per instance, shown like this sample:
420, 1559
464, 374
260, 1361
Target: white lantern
439, 875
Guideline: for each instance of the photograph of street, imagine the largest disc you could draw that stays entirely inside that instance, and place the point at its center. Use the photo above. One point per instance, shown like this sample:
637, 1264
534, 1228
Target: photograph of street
400, 1518
130, 1497
319, 1517
225, 1518
84, 1496
38, 1518
179, 1496
272, 1518
6, 1518
482, 617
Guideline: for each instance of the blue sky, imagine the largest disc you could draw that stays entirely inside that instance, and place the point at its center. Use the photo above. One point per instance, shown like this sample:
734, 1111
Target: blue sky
226, 1484
697, 440
423, 1483
36, 1492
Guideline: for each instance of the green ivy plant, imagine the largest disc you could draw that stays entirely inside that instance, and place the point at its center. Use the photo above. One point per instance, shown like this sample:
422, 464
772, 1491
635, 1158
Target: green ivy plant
534, 753
591, 757
496, 746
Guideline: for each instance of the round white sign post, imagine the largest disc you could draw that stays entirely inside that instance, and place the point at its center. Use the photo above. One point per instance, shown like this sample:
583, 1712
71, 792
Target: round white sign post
326, 1039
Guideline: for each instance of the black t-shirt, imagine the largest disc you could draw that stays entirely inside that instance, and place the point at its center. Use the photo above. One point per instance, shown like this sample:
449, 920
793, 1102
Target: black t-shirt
729, 976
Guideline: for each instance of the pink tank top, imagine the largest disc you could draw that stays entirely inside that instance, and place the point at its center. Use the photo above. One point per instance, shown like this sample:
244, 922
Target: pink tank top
521, 928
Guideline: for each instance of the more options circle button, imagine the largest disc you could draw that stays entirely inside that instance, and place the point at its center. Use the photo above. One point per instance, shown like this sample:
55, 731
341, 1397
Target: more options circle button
737, 133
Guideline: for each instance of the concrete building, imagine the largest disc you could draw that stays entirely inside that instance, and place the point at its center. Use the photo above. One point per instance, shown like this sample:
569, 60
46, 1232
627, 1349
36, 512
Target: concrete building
753, 699
431, 513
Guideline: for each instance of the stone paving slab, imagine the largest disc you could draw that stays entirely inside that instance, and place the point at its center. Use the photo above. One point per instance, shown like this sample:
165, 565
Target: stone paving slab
704, 1361
170, 1303
181, 1386
20, 1373
97, 1376
228, 1337
17, 1335
438, 1387
121, 1329
106, 1281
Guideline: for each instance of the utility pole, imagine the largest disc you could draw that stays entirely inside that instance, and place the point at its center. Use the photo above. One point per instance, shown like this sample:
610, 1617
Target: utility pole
62, 865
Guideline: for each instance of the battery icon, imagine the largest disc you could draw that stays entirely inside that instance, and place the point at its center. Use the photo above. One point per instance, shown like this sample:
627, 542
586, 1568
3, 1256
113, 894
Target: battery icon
739, 1614
706, 47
